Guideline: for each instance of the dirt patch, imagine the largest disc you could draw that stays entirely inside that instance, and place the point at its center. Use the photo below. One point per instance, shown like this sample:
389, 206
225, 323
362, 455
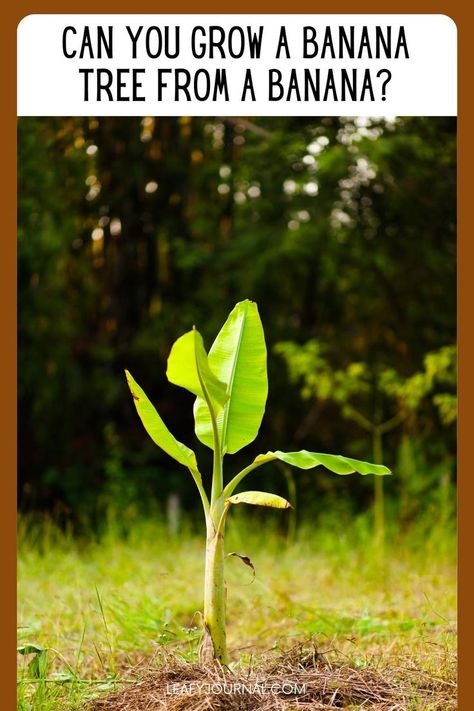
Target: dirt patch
298, 679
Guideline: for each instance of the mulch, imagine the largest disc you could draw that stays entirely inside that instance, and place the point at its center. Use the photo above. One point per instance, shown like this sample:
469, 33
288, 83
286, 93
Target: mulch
297, 679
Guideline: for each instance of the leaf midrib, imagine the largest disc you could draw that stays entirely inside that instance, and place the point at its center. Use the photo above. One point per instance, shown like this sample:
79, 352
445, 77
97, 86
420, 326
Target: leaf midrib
205, 392
225, 417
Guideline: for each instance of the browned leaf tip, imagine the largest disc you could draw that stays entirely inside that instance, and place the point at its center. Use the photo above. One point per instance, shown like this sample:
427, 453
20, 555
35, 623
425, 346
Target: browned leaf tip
246, 560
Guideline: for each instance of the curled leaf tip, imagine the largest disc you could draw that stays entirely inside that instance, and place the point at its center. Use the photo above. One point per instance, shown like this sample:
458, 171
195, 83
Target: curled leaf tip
259, 498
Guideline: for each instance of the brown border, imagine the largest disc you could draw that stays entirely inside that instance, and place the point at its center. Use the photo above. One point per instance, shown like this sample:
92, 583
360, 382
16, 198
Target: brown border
11, 15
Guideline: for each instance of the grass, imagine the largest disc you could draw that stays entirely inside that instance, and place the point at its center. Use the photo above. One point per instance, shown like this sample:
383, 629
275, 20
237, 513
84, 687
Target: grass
100, 608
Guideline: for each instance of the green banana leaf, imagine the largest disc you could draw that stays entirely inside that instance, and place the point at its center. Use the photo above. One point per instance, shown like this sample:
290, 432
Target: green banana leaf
260, 498
157, 429
238, 357
188, 367
334, 462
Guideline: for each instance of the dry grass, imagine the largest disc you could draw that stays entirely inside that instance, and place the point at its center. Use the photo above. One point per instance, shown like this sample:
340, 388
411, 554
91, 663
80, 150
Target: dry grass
297, 679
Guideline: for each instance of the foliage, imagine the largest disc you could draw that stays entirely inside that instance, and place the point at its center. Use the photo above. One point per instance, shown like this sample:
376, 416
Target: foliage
343, 229
228, 412
379, 400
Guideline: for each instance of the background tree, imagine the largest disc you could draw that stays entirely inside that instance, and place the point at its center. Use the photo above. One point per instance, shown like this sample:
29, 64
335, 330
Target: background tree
379, 402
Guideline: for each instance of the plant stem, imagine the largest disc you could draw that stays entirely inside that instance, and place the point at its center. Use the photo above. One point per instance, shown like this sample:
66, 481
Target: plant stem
379, 503
238, 478
379, 510
213, 643
217, 476
214, 587
198, 481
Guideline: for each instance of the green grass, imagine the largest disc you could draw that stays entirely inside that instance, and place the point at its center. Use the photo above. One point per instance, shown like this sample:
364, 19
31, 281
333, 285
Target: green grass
100, 607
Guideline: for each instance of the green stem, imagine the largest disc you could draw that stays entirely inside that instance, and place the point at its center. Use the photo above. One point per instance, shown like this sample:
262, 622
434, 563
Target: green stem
214, 583
238, 478
379, 509
217, 477
214, 588
391, 423
379, 503
290, 482
198, 481
221, 524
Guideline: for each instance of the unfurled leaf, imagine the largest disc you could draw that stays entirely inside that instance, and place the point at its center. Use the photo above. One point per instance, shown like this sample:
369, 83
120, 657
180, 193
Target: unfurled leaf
157, 429
238, 357
260, 498
188, 367
334, 462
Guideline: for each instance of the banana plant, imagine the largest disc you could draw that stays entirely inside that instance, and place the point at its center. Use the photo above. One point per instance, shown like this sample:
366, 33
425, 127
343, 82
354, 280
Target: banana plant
230, 384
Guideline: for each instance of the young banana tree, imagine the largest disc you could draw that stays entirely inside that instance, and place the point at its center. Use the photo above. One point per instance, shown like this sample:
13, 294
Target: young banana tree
230, 385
